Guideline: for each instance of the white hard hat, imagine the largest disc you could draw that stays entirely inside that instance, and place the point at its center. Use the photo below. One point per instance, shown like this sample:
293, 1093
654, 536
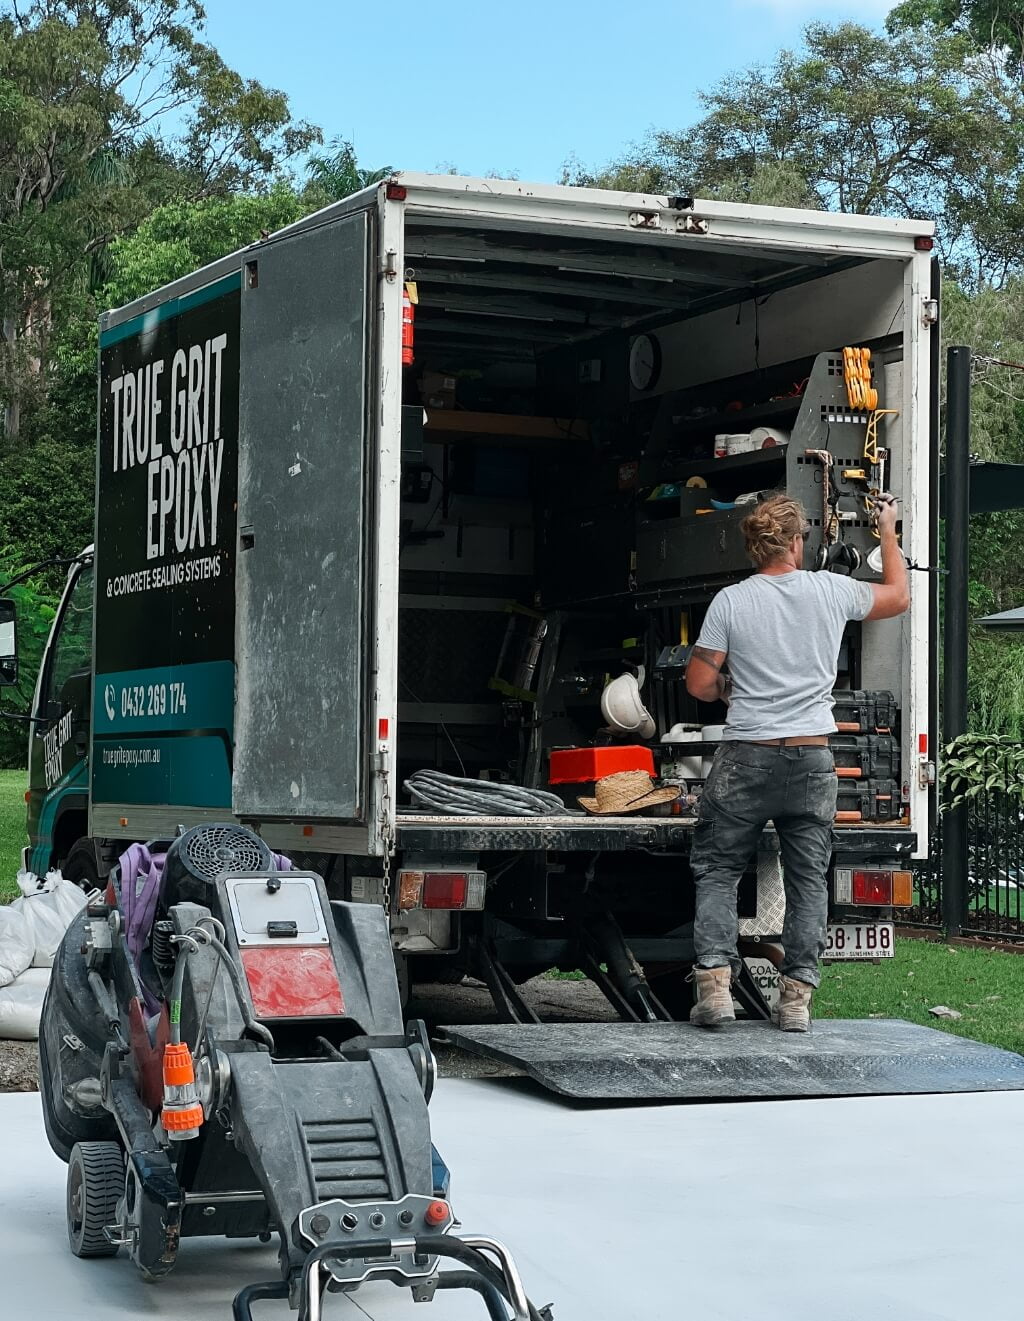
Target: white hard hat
622, 708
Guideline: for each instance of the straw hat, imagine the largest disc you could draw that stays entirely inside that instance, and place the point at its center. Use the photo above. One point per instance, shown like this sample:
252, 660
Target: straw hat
627, 791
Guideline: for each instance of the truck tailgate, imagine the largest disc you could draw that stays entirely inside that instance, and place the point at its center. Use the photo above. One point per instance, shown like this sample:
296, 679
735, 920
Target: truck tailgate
518, 833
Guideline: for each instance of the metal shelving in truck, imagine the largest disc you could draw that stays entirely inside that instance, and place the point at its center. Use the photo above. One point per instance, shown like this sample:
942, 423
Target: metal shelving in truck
402, 487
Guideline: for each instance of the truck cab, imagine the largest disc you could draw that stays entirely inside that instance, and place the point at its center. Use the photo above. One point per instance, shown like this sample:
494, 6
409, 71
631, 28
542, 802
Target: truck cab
59, 735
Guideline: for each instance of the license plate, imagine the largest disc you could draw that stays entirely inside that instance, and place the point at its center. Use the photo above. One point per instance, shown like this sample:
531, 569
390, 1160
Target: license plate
860, 940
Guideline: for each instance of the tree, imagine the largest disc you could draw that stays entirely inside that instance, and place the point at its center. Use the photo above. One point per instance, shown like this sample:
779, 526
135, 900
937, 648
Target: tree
180, 237
992, 25
107, 107
36, 608
337, 174
859, 121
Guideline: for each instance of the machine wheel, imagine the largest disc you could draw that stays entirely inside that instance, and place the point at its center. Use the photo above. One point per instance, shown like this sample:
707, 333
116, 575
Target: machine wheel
95, 1185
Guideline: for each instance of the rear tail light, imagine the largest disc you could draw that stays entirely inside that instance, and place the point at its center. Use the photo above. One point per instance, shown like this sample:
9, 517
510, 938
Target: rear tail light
902, 889
879, 889
453, 890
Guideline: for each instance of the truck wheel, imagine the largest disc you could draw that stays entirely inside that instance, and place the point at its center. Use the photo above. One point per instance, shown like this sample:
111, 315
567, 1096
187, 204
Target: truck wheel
81, 866
95, 1185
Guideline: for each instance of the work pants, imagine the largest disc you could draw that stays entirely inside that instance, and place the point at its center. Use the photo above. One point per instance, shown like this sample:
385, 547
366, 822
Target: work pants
750, 785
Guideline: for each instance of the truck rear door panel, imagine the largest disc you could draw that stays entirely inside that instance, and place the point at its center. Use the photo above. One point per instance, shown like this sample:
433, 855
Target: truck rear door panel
301, 625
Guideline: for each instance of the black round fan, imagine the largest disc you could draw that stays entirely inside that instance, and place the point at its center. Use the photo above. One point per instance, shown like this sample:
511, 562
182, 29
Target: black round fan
196, 858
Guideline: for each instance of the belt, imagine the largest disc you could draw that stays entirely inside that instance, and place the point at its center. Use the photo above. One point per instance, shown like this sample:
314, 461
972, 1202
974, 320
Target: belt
799, 741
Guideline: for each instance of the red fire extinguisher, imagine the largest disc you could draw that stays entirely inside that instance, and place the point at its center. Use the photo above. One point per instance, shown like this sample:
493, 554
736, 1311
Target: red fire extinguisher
408, 330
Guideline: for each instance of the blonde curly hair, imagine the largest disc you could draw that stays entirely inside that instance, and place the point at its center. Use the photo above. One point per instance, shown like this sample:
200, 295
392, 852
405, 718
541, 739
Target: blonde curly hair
770, 527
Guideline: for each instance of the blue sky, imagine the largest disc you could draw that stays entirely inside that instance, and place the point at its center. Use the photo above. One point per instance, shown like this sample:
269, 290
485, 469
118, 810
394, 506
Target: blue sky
506, 87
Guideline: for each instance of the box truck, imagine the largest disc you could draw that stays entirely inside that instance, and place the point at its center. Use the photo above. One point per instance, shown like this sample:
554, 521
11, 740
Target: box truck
402, 489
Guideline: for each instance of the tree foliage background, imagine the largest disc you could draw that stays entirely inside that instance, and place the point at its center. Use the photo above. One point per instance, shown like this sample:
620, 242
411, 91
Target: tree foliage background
130, 154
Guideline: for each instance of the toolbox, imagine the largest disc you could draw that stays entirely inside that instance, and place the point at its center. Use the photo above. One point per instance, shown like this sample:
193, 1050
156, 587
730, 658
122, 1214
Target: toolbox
864, 712
866, 756
868, 800
585, 765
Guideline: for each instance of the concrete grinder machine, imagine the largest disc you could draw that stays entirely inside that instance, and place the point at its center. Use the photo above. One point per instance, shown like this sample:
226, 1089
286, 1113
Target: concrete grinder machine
223, 1053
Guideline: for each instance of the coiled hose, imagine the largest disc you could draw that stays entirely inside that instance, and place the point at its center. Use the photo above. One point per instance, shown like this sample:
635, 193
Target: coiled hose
454, 796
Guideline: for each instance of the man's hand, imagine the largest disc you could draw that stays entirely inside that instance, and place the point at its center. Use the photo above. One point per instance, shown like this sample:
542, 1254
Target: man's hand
888, 512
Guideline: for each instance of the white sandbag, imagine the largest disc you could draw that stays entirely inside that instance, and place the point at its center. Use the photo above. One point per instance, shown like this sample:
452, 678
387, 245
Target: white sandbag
49, 907
21, 1005
17, 942
50, 914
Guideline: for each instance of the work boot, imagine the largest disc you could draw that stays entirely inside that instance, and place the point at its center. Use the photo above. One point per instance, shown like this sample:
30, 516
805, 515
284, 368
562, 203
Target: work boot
793, 1011
714, 999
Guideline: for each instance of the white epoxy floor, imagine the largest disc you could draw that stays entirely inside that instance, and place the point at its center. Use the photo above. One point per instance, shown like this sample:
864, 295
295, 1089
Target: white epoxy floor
909, 1208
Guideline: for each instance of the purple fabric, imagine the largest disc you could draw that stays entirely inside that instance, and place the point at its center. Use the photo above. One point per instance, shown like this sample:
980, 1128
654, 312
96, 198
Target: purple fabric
141, 873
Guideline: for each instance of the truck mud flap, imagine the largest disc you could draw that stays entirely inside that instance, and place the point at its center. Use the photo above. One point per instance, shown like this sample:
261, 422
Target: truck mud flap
748, 1060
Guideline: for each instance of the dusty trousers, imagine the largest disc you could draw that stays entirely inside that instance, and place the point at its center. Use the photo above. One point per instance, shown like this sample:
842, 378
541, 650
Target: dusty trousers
749, 786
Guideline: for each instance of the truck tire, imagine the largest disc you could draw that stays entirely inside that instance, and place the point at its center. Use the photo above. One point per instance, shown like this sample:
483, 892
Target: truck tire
95, 1186
82, 866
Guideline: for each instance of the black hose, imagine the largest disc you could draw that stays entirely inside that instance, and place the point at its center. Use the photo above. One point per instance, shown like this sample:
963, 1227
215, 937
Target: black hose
252, 1026
188, 944
241, 1306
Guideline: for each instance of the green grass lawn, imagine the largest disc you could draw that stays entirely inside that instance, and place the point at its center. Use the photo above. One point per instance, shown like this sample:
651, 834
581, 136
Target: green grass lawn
985, 985
12, 830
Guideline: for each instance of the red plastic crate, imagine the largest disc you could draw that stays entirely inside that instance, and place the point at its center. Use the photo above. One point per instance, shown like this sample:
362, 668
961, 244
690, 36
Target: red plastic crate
584, 765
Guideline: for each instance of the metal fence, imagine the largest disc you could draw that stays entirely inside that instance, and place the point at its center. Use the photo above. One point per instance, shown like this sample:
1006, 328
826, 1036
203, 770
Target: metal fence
995, 870
927, 910
994, 903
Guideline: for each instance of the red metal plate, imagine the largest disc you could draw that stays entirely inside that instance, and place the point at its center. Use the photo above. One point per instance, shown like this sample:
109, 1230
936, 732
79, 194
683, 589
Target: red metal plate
299, 981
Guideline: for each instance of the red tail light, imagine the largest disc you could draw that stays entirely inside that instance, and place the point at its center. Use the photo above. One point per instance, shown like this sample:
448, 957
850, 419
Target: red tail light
456, 890
872, 887
444, 889
880, 889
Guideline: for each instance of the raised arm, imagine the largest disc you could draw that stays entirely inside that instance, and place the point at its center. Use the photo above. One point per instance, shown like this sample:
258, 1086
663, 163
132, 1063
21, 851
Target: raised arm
892, 594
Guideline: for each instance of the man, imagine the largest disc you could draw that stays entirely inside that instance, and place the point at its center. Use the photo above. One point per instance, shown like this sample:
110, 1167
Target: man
780, 631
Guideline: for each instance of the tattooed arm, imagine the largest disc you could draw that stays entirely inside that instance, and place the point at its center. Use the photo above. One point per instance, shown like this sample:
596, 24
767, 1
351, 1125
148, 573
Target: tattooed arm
704, 677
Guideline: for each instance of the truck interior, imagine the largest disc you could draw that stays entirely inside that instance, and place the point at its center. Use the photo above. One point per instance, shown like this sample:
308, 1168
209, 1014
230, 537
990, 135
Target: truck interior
586, 422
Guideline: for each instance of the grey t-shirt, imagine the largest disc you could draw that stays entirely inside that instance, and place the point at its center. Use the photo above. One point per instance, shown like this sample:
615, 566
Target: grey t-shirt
782, 633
